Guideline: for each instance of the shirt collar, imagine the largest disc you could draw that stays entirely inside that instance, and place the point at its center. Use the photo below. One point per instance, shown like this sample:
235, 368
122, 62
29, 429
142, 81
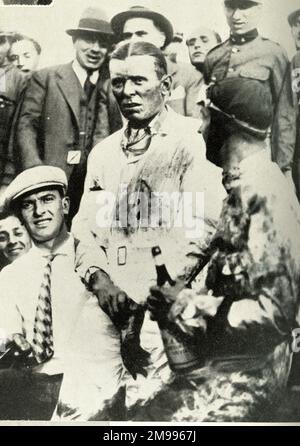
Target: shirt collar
82, 74
244, 38
66, 249
154, 127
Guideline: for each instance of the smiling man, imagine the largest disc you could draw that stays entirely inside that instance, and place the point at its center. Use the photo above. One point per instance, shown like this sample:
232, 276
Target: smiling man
14, 238
65, 111
247, 55
49, 316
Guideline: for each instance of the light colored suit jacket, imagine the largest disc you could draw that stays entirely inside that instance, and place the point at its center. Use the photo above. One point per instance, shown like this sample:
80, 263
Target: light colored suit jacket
175, 168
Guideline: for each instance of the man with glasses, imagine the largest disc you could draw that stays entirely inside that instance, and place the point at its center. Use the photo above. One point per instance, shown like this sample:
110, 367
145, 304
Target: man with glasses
248, 55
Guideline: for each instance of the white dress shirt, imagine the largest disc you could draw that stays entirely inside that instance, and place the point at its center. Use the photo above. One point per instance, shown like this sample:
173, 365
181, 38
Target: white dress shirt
82, 74
80, 328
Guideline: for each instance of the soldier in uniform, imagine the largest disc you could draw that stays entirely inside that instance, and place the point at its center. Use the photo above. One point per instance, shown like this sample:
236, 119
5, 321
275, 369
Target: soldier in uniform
244, 315
248, 55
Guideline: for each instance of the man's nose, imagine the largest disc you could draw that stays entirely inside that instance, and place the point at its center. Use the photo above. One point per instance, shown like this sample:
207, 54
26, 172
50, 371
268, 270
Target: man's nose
237, 13
198, 44
96, 46
38, 208
128, 89
12, 241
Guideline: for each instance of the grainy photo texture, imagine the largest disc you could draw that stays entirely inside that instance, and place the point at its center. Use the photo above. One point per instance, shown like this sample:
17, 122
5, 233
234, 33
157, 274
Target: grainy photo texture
149, 211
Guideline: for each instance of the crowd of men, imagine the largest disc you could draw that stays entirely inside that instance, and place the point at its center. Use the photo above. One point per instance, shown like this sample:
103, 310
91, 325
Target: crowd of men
127, 148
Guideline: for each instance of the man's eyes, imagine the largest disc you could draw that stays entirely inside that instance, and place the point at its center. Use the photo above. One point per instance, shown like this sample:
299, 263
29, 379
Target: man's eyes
19, 233
3, 238
26, 206
138, 80
47, 199
117, 83
141, 33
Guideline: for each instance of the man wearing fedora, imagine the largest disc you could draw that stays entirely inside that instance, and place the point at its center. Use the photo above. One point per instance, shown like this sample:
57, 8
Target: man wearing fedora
140, 23
247, 55
65, 111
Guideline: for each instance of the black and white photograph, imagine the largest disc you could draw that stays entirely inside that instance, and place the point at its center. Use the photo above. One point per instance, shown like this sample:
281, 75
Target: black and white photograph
149, 212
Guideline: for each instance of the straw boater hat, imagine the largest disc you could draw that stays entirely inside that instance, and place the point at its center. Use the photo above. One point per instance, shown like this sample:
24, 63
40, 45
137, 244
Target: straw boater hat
93, 20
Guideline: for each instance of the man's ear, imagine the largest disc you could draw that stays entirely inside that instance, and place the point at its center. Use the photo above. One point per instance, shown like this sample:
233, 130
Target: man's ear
66, 205
166, 84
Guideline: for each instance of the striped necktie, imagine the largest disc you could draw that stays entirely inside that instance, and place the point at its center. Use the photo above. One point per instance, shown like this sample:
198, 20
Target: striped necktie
43, 329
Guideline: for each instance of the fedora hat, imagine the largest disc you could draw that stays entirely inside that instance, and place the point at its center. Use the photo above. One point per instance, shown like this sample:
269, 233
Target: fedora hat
118, 21
93, 20
293, 16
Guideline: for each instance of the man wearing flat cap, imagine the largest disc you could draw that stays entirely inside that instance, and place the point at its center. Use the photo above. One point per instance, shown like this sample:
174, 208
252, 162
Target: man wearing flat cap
65, 111
247, 55
50, 320
243, 317
140, 23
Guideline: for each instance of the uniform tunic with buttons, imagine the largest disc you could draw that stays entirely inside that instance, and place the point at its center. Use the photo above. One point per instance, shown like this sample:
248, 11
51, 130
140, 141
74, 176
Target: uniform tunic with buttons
254, 57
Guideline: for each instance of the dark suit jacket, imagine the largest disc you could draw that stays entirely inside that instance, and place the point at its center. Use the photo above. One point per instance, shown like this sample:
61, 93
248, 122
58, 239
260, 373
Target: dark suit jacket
49, 121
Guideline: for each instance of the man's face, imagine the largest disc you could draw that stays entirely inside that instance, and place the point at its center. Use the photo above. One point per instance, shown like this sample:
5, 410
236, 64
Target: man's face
4, 48
143, 29
44, 214
296, 32
14, 238
24, 55
137, 88
200, 43
91, 50
242, 16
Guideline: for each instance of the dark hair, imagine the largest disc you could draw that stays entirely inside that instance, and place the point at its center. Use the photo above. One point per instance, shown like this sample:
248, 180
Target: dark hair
5, 213
142, 49
17, 37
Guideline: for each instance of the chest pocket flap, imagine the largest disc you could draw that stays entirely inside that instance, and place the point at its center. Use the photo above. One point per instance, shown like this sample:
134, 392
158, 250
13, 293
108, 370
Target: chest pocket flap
257, 73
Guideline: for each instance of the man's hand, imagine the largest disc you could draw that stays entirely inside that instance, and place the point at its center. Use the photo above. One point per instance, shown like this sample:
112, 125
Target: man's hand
127, 316
21, 344
161, 299
17, 351
113, 301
